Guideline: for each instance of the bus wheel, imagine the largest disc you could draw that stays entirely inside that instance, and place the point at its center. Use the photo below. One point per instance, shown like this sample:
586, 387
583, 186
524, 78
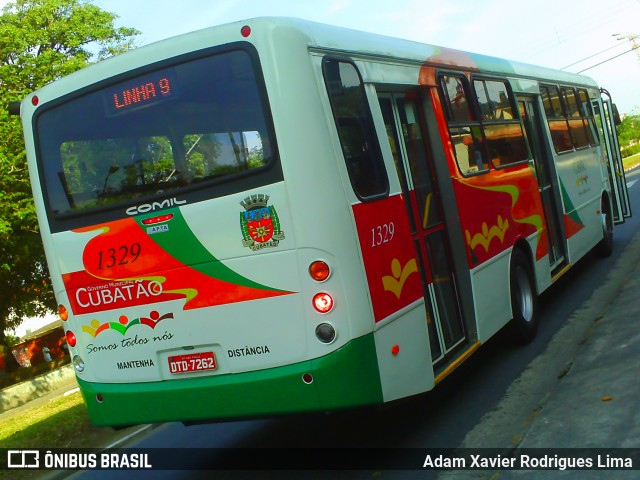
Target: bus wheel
524, 300
605, 247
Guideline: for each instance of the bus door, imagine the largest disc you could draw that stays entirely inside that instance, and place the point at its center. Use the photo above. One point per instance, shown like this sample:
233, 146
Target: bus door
546, 173
605, 118
413, 159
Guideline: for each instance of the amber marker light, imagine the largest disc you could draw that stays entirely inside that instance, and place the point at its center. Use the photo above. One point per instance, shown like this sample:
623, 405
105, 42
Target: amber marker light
323, 302
63, 313
319, 271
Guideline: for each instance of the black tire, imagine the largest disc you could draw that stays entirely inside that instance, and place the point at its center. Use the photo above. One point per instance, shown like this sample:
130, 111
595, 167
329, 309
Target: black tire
604, 248
524, 299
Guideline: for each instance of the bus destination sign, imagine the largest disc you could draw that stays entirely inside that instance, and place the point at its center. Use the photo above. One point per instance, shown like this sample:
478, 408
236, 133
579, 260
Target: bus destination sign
141, 92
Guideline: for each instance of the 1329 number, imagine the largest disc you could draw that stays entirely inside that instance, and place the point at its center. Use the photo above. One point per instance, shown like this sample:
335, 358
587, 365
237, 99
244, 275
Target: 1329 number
382, 234
122, 255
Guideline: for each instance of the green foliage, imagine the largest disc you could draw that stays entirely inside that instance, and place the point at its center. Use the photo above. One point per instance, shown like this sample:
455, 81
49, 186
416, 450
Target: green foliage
629, 130
42, 40
59, 423
632, 150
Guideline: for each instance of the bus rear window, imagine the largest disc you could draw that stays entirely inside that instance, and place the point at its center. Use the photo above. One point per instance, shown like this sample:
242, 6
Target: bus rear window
165, 132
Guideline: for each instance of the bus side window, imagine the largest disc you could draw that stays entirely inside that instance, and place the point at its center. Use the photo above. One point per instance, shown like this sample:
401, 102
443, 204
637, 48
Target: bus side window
587, 115
464, 128
576, 123
556, 119
502, 129
355, 128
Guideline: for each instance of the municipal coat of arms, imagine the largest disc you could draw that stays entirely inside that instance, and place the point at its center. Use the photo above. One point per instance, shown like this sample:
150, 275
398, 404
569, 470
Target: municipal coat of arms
259, 223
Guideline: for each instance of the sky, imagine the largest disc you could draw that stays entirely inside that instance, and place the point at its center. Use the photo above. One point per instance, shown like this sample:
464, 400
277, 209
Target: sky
576, 34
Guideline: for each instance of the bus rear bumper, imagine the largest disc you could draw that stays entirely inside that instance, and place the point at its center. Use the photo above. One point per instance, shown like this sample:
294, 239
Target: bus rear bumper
348, 377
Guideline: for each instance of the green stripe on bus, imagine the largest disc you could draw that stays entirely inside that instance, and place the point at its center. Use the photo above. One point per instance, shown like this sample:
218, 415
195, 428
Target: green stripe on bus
348, 377
181, 243
570, 208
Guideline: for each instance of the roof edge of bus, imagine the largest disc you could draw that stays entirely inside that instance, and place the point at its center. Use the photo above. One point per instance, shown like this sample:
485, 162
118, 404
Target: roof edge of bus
317, 35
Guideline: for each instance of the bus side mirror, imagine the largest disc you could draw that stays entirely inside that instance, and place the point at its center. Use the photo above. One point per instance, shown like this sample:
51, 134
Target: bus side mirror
14, 108
616, 115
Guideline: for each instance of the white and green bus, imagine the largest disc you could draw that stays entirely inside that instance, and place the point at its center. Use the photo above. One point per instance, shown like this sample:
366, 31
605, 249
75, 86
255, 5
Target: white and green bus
278, 216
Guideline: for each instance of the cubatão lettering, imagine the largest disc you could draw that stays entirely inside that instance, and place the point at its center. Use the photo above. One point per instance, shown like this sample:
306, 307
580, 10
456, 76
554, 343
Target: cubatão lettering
246, 351
136, 364
87, 297
142, 93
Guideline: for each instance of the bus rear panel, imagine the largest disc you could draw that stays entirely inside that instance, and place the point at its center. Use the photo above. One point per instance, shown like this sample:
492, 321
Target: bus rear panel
187, 293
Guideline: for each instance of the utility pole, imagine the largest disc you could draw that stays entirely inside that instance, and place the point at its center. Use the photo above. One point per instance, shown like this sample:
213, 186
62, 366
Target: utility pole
631, 37
635, 45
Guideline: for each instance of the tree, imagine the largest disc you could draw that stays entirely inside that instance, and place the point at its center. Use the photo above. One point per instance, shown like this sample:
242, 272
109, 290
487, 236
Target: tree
42, 41
629, 130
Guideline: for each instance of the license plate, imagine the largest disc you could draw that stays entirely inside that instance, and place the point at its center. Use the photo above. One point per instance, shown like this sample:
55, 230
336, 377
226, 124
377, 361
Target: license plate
193, 362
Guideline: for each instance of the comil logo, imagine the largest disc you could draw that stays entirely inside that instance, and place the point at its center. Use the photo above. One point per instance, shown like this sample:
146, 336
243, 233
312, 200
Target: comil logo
150, 207
23, 459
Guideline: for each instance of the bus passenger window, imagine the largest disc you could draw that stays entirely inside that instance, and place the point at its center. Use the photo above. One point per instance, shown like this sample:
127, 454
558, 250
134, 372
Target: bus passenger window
556, 118
457, 105
503, 132
464, 129
576, 124
587, 115
355, 129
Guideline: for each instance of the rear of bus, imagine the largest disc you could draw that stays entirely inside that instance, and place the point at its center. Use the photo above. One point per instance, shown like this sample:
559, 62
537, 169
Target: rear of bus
193, 281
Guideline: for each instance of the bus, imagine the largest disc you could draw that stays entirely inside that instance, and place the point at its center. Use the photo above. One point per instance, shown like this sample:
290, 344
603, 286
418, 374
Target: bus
277, 216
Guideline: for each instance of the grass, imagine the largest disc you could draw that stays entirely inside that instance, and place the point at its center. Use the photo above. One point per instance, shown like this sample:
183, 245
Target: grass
59, 423
629, 162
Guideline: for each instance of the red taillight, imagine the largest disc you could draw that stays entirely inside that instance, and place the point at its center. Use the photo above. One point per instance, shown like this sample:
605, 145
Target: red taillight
323, 302
63, 313
35, 100
71, 338
319, 271
245, 31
